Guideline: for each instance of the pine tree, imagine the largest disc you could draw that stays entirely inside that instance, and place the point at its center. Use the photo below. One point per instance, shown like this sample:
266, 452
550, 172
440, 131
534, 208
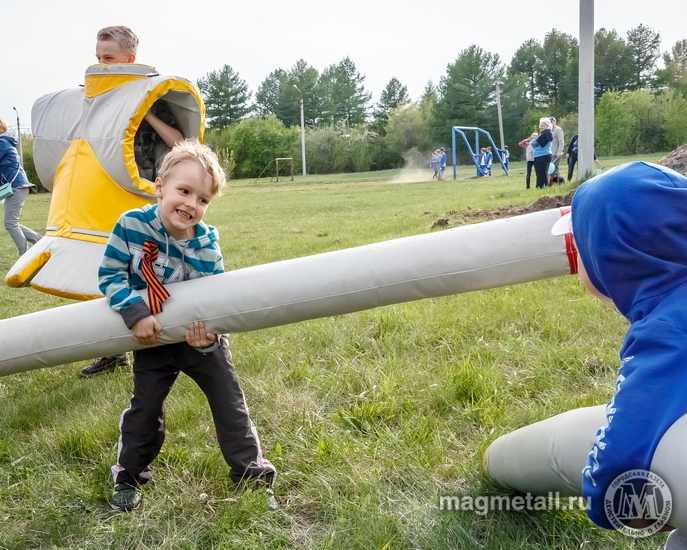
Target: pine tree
226, 97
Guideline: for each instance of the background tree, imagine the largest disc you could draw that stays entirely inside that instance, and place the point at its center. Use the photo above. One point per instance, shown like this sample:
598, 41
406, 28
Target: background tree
674, 115
555, 76
612, 124
647, 130
267, 96
306, 78
277, 95
645, 49
324, 150
674, 74
467, 93
430, 94
526, 61
343, 93
514, 105
226, 97
394, 95
256, 142
613, 63
408, 128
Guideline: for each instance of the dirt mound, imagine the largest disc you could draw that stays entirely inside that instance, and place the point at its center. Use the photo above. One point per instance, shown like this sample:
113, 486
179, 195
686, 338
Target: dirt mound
677, 160
454, 219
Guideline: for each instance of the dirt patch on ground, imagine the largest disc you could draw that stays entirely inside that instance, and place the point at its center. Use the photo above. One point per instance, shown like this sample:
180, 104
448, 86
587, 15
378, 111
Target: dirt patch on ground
677, 160
465, 217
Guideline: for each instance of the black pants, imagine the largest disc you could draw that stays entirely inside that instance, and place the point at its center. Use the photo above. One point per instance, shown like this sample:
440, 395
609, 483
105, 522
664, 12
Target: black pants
530, 164
572, 160
142, 425
541, 168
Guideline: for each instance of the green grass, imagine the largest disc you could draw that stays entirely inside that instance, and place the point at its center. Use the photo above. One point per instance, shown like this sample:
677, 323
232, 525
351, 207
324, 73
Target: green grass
369, 417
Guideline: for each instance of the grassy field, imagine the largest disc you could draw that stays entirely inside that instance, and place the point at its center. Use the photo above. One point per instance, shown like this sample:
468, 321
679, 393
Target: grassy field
369, 417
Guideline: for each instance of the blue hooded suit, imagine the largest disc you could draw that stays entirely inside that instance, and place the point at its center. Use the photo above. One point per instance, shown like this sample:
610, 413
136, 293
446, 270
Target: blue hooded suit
630, 226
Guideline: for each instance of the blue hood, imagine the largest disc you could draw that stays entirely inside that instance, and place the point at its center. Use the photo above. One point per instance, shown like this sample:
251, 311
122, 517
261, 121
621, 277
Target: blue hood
10, 138
630, 226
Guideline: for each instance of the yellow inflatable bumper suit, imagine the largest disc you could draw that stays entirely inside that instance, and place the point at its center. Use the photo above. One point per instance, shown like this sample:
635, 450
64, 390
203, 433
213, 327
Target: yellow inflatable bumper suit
96, 154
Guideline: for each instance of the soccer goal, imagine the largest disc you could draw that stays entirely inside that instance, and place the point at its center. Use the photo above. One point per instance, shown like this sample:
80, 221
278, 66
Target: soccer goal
474, 154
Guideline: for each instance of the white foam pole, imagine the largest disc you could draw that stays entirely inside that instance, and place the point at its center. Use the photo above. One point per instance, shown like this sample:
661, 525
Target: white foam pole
548, 457
474, 257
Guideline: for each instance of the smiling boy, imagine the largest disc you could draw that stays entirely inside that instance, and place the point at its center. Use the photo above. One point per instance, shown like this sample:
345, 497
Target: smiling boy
166, 243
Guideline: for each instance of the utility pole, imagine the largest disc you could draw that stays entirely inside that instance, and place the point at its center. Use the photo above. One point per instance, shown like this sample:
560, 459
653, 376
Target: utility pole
21, 152
585, 146
498, 107
302, 128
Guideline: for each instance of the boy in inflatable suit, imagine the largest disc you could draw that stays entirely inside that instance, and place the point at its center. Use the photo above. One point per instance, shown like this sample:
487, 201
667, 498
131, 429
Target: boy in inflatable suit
166, 243
156, 136
630, 229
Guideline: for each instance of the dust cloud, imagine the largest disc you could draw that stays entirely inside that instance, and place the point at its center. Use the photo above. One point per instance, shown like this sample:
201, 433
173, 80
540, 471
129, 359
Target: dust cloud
415, 167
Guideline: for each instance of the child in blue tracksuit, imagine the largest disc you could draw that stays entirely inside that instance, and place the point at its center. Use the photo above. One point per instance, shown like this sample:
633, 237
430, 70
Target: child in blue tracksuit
435, 164
630, 229
488, 160
150, 247
505, 156
442, 163
482, 162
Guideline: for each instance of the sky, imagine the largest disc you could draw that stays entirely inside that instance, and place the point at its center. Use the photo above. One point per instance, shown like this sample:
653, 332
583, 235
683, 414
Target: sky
48, 44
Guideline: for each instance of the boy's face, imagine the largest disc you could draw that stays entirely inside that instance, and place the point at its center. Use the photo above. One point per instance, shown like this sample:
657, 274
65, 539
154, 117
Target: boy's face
587, 283
109, 52
183, 197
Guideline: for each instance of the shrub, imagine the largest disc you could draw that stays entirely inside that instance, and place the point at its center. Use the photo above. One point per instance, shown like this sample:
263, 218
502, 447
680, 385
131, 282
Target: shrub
29, 166
225, 156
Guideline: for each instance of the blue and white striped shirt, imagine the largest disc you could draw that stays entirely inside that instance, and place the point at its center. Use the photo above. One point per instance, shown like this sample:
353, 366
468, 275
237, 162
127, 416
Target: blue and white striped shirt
120, 271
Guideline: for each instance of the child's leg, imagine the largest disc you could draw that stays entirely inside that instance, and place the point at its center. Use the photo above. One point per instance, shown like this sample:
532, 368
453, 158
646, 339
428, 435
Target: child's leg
238, 439
142, 424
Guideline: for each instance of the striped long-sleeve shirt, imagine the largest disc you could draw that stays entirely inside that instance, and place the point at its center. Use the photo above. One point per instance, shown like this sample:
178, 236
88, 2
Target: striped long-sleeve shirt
120, 272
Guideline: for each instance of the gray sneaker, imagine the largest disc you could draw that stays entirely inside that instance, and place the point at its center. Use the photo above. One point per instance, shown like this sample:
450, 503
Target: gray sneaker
125, 499
104, 364
272, 504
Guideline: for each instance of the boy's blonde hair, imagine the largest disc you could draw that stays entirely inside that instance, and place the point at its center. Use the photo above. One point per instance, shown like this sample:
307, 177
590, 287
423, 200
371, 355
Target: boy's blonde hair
123, 36
3, 126
190, 149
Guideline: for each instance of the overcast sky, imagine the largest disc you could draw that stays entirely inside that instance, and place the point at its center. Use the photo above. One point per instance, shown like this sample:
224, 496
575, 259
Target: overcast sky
47, 44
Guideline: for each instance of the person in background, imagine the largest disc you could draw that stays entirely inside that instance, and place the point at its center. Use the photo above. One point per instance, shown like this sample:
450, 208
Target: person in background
488, 161
435, 163
505, 156
526, 144
556, 144
442, 163
482, 161
541, 147
571, 156
12, 172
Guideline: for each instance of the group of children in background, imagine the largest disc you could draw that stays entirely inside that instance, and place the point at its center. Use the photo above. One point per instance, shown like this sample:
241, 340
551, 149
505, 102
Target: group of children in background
485, 159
